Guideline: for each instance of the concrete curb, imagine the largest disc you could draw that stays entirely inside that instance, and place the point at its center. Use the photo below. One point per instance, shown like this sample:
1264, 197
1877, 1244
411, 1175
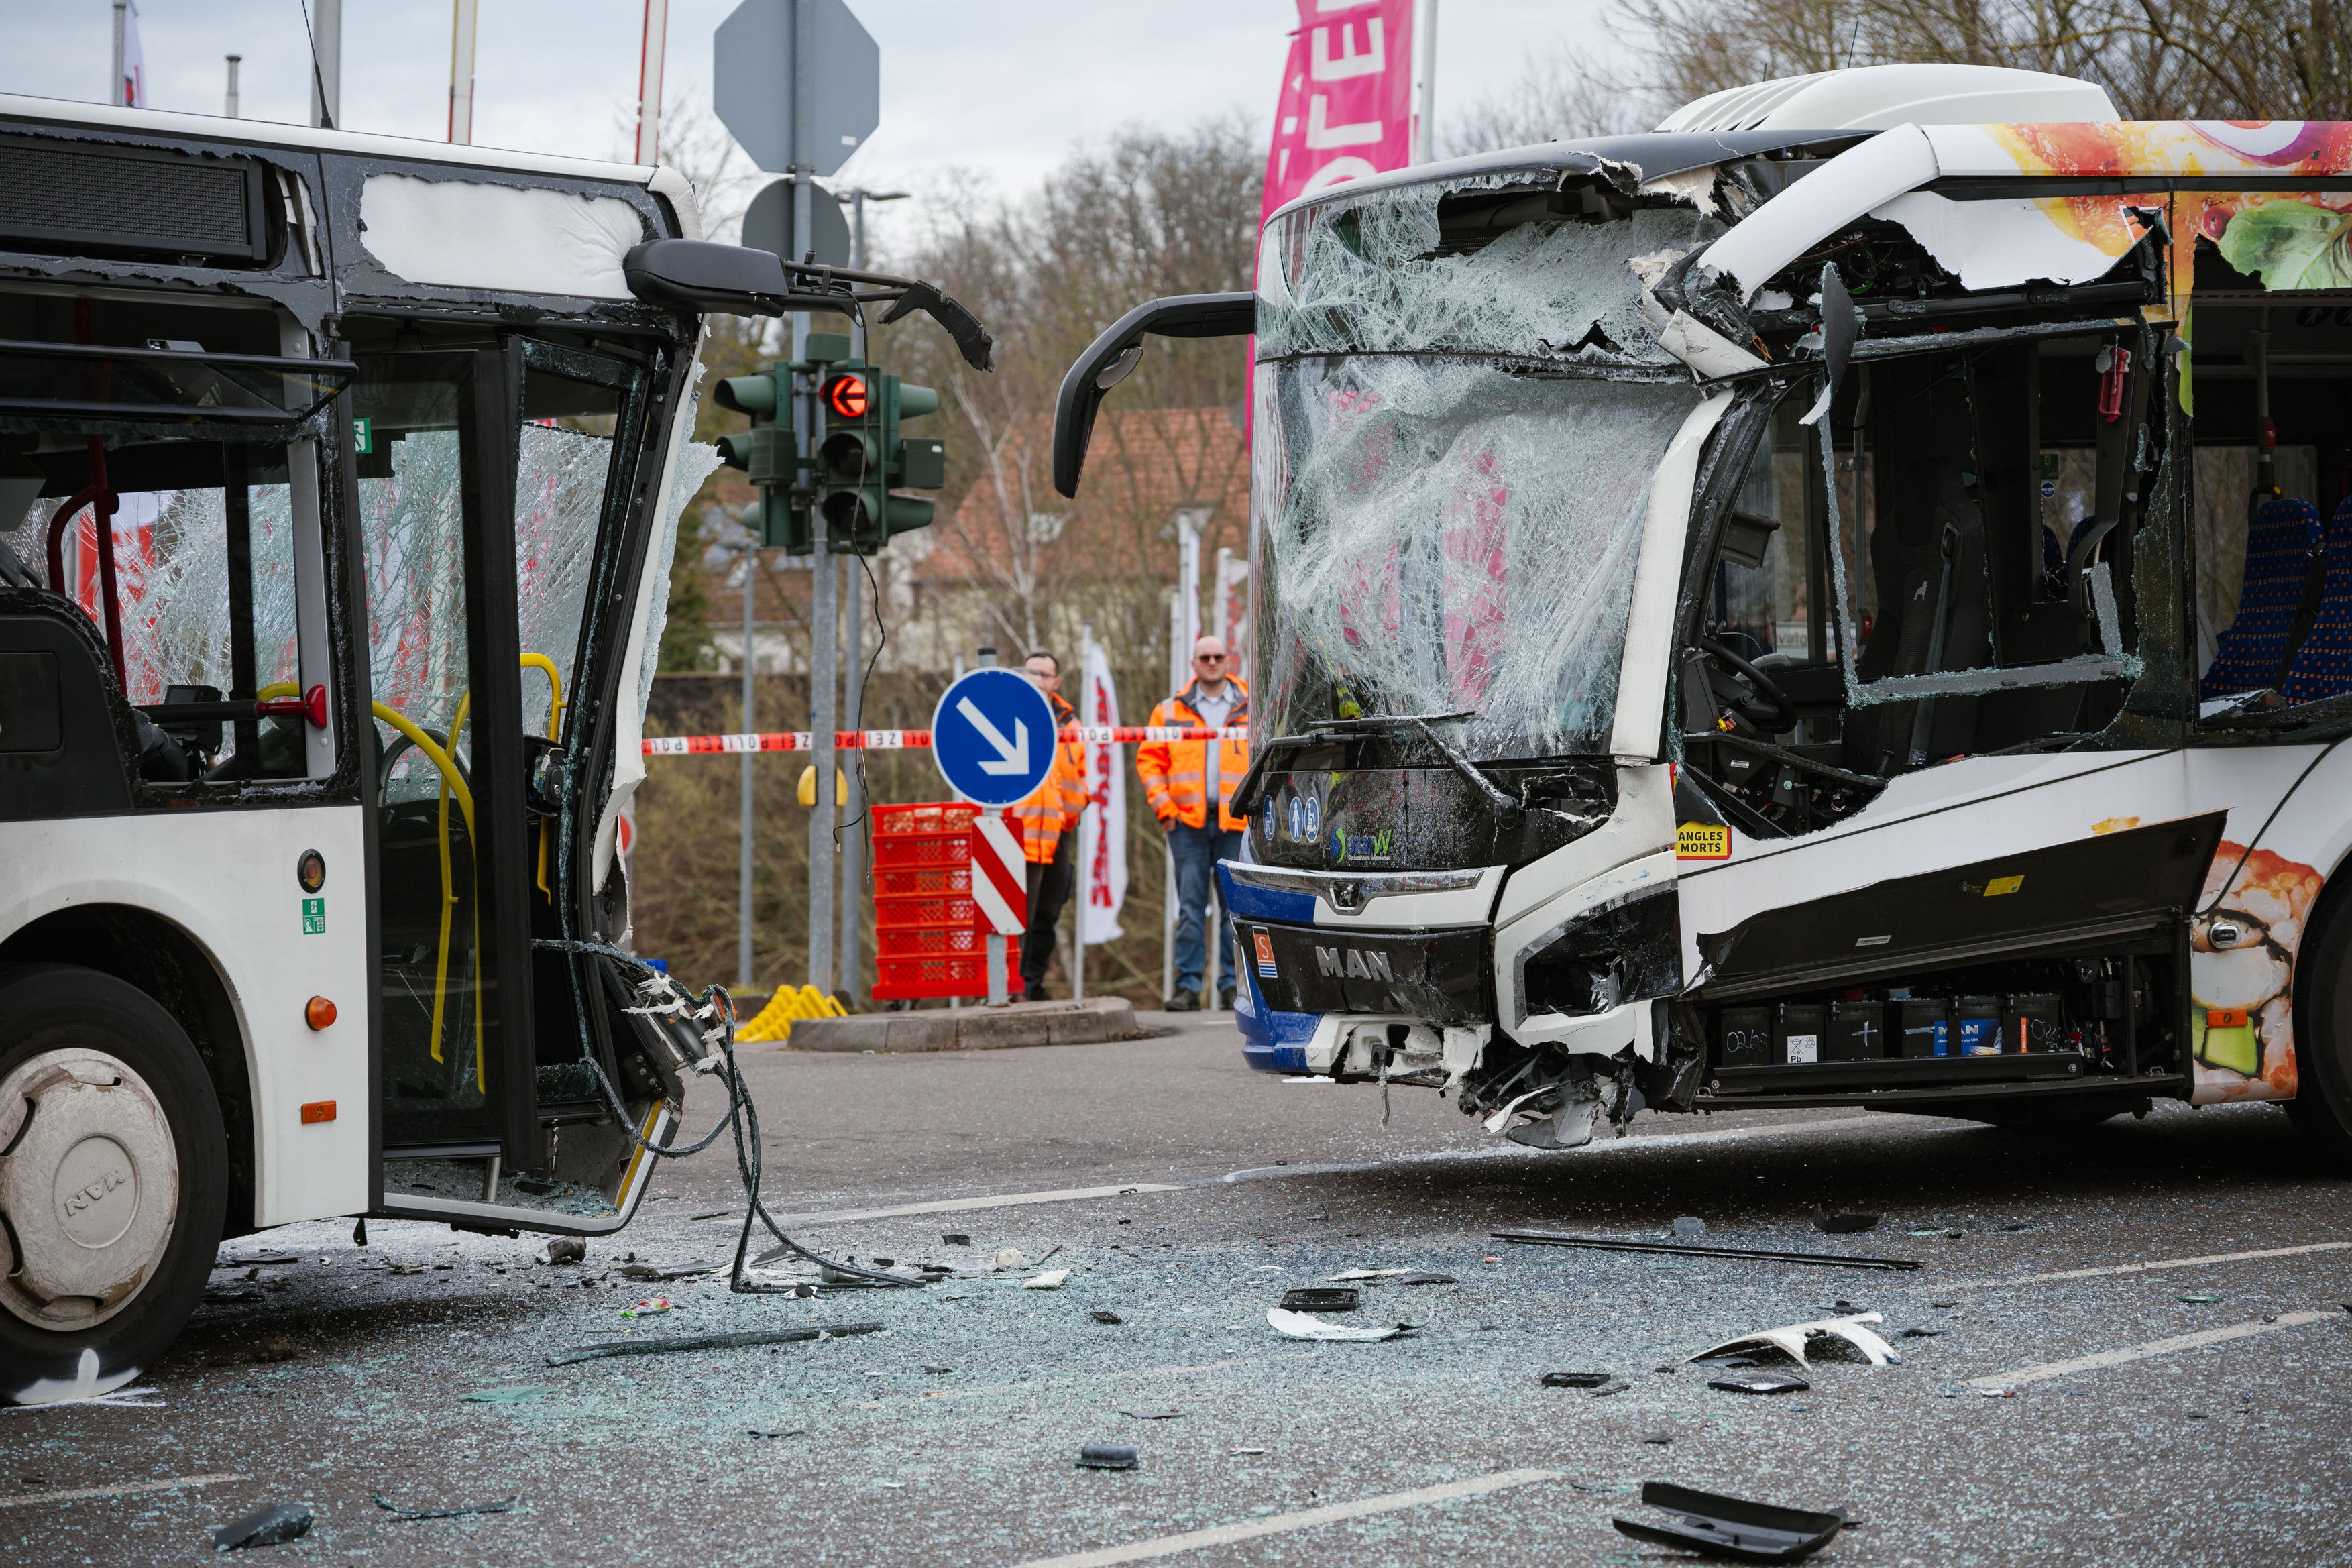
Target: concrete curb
1087, 1023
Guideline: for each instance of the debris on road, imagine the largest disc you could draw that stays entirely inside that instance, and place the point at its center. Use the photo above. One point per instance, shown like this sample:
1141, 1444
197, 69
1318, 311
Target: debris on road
276, 1347
257, 1260
1049, 1280
1311, 1299
651, 1306
1759, 1382
1153, 1414
1575, 1379
1748, 1254
231, 1298
1425, 1278
516, 1395
2200, 1301
1106, 1457
564, 1249
1661, 1439
1104, 1315
1614, 1385
777, 1432
1716, 1526
1009, 1257
271, 1527
1791, 1338
1687, 1225
1845, 1224
1368, 1274
1301, 1326
955, 1238
708, 1343
1920, 1334
406, 1514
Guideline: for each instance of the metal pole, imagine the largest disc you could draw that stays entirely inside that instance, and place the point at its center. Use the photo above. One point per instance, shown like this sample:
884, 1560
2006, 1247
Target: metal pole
824, 624
1079, 873
327, 81
230, 109
1000, 991
649, 80
751, 562
1423, 133
114, 87
853, 846
1168, 851
462, 28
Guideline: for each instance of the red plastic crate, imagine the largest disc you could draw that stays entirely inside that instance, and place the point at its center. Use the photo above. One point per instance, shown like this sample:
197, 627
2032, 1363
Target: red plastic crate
907, 979
925, 927
924, 881
933, 909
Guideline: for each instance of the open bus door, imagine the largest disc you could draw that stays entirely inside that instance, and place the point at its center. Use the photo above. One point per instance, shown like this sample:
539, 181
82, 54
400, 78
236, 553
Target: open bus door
491, 489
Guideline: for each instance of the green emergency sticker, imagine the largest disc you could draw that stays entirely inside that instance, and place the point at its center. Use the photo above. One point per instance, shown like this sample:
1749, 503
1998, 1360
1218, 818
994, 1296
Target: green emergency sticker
363, 436
314, 917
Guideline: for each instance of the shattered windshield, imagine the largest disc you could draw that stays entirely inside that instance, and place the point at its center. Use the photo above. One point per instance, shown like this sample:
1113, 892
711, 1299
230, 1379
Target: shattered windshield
1453, 459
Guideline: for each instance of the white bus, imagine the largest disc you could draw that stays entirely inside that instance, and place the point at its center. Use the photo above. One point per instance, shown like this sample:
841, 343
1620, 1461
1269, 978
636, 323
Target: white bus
1846, 600
339, 480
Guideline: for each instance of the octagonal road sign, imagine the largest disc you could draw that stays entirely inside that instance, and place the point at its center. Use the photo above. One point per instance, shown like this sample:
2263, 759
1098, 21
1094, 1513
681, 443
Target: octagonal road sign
992, 737
752, 76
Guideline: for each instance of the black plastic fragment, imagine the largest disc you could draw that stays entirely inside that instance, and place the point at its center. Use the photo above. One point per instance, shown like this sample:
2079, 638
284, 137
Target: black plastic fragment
777, 1432
1427, 1279
1106, 1457
1319, 1299
1575, 1379
1104, 1315
1750, 1254
1845, 1224
1920, 1333
399, 1512
1614, 1385
1759, 1382
709, 1342
955, 1238
271, 1527
1716, 1526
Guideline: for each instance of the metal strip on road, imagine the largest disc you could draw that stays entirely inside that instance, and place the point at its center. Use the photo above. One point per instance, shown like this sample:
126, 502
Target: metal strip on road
2149, 1266
127, 1490
2153, 1348
995, 1201
1226, 1534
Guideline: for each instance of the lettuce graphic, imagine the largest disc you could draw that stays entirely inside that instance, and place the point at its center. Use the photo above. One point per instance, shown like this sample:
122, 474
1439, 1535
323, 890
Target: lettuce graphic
2291, 245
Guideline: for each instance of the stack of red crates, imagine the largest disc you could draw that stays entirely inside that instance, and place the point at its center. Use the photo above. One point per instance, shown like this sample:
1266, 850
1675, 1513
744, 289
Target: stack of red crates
926, 932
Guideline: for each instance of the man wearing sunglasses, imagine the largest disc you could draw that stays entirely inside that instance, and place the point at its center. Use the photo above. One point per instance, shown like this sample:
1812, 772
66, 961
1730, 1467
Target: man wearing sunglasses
1181, 779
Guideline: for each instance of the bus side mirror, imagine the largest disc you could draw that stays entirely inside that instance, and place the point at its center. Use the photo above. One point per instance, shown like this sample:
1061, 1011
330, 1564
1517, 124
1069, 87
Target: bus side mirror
701, 275
1114, 355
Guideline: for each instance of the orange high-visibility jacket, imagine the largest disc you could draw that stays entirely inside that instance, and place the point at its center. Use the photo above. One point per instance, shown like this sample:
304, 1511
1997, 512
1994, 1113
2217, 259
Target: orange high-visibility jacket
1055, 808
1175, 773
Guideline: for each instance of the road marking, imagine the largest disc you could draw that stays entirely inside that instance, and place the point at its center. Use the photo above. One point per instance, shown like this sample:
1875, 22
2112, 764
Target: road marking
1282, 1523
2148, 1267
2153, 1348
1514, 1152
117, 1491
963, 1206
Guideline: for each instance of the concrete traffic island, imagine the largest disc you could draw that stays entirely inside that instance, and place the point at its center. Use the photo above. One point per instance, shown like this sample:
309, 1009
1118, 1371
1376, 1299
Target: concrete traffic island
972, 1029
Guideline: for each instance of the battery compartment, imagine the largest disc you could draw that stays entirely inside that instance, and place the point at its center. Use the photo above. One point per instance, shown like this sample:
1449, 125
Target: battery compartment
2107, 1016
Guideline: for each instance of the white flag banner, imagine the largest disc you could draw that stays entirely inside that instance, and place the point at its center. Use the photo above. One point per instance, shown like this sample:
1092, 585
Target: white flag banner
1102, 832
131, 89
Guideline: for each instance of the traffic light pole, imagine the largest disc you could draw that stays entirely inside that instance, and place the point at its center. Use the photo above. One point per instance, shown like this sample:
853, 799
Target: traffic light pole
823, 684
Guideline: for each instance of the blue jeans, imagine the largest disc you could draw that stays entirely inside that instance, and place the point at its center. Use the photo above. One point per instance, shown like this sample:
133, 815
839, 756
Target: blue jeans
1197, 851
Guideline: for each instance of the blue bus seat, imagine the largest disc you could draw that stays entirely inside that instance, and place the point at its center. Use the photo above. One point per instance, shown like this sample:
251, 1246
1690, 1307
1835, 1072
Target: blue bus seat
2323, 666
2279, 547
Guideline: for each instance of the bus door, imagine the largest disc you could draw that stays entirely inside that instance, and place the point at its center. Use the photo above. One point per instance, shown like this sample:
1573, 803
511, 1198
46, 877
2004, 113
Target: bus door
487, 489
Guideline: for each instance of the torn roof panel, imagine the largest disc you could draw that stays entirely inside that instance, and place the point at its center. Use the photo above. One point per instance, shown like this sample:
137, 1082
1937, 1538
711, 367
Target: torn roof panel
2006, 243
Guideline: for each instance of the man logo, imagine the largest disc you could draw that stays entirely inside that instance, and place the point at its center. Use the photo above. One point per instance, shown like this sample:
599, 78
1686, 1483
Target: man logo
1351, 963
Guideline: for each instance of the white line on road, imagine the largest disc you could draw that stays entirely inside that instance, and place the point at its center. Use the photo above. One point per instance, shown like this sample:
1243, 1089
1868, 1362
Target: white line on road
1512, 1151
2151, 1266
1281, 1524
995, 1201
117, 1491
2153, 1348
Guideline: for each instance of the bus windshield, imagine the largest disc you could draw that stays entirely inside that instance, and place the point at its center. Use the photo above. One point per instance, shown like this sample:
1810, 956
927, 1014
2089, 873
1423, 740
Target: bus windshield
1458, 421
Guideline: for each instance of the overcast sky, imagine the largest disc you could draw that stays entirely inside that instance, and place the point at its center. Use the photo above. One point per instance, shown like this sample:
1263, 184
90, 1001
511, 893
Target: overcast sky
999, 88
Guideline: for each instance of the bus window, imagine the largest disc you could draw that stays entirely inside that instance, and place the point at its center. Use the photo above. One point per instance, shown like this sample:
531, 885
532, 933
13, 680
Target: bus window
1764, 591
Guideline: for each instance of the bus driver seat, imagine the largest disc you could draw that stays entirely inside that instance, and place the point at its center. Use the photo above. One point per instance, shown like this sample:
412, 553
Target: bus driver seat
2323, 666
2252, 651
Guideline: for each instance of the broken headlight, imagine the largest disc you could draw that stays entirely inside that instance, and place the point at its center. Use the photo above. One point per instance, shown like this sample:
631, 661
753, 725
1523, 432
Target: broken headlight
1625, 952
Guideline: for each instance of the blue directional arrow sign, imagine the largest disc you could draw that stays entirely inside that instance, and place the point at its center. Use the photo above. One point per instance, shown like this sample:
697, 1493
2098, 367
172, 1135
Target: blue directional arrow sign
992, 736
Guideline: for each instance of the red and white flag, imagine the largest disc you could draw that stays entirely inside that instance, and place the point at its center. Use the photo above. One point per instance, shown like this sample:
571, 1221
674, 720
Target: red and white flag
1102, 832
130, 91
1345, 105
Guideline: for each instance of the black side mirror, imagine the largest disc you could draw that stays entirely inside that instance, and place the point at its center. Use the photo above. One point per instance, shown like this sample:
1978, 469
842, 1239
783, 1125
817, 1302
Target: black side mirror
701, 275
1113, 356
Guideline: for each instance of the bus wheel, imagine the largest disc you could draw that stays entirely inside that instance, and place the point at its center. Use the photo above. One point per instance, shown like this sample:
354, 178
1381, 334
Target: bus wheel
113, 1179
2322, 1108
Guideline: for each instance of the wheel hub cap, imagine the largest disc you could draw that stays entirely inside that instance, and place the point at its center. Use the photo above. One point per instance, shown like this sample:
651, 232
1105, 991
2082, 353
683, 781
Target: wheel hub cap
89, 1187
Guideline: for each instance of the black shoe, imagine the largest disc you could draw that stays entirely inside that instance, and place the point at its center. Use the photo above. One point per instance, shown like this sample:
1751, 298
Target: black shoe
1185, 1002
1225, 998
1035, 991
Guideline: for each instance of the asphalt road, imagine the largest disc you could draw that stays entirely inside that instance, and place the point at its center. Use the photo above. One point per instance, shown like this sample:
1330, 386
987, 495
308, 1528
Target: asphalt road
951, 1436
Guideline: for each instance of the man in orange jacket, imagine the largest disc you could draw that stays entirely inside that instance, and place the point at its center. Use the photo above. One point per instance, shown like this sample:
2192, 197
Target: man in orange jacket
1049, 832
1182, 779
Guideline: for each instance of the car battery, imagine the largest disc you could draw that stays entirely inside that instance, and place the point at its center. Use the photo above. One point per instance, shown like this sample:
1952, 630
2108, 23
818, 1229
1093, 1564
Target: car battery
1923, 1025
1977, 1021
1857, 1032
1797, 1033
1744, 1037
2035, 1021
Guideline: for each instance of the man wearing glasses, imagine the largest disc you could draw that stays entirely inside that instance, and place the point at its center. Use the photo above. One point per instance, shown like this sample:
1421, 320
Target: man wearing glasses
1181, 778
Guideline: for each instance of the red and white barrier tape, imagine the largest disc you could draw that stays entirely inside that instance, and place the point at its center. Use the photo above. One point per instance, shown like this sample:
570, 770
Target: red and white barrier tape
910, 739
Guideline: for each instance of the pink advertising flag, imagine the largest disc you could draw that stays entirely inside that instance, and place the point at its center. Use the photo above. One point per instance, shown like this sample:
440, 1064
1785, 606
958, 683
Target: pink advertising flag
1346, 106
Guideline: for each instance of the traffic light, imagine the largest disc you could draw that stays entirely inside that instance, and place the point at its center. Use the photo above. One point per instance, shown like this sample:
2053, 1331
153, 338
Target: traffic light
864, 457
768, 453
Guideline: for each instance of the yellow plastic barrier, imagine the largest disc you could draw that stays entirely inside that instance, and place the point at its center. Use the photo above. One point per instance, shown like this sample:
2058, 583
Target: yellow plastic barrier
775, 1020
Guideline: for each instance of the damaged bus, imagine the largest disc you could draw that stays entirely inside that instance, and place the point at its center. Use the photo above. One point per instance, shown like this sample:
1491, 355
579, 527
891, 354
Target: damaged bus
1846, 600
339, 480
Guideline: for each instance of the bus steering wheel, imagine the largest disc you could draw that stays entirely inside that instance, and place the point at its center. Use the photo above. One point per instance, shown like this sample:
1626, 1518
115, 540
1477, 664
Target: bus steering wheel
1769, 709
